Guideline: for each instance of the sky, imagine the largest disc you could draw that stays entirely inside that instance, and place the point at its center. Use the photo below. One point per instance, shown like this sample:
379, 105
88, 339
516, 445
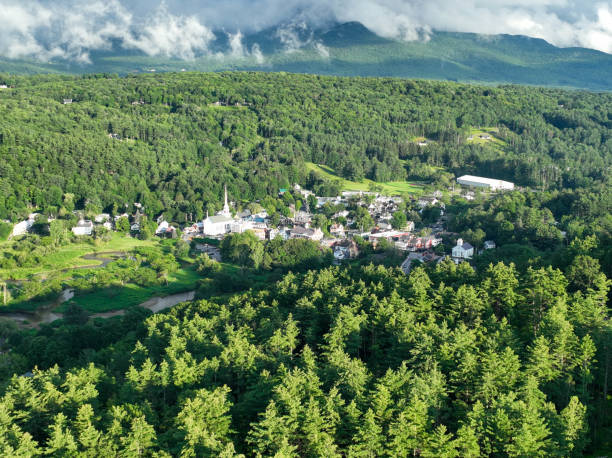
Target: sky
71, 29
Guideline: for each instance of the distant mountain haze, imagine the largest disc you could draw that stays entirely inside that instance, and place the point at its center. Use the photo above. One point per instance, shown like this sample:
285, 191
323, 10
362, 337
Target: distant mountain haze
351, 49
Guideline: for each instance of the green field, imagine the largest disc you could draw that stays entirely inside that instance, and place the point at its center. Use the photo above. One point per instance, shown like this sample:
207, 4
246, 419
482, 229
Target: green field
495, 141
71, 256
390, 187
117, 298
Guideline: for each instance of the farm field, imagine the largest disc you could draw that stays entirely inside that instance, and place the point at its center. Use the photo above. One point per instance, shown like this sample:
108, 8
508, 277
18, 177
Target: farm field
390, 187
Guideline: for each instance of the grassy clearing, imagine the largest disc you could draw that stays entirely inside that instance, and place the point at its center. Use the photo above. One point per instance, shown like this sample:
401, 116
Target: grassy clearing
390, 187
117, 298
70, 257
495, 141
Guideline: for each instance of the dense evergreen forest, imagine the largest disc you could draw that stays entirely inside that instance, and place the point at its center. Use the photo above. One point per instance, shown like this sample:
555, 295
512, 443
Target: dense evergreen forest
509, 356
445, 362
171, 141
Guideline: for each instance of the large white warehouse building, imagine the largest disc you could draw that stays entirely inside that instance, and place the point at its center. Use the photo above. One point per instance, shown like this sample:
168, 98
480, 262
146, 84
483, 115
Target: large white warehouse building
480, 182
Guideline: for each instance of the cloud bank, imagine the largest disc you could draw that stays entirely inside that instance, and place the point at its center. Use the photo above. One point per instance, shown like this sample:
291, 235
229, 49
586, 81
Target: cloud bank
72, 29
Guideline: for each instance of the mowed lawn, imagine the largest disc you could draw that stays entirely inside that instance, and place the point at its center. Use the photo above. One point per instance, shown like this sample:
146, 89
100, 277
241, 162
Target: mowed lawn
121, 297
71, 256
494, 141
389, 187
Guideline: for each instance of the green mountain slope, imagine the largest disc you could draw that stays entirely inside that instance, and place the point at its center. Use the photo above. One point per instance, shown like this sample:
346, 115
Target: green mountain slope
352, 50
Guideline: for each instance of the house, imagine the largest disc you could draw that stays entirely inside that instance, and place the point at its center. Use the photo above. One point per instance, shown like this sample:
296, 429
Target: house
408, 242
425, 243
162, 228
426, 257
485, 136
114, 136
191, 231
489, 245
331, 200
260, 232
337, 230
168, 231
135, 227
245, 215
3, 86
302, 218
303, 233
426, 201
462, 250
490, 183
102, 218
346, 249
83, 227
67, 101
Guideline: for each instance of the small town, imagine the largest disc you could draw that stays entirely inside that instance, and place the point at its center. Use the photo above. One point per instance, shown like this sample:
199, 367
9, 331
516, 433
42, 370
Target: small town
242, 228
351, 216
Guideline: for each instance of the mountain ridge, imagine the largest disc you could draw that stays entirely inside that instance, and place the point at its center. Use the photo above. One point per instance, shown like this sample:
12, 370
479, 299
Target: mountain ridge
350, 49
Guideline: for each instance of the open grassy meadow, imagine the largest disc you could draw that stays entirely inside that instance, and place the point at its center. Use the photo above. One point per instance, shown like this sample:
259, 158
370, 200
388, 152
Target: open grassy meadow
476, 135
71, 256
390, 187
117, 298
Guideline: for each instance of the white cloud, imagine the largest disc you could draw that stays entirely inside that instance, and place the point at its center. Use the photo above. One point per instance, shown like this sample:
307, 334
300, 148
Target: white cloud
322, 50
71, 29
239, 50
170, 35
183, 28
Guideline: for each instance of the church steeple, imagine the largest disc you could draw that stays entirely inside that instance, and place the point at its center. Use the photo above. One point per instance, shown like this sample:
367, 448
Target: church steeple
226, 209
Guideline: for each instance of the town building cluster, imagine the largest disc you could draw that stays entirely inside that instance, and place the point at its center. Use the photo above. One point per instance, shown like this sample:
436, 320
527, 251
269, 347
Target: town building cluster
341, 235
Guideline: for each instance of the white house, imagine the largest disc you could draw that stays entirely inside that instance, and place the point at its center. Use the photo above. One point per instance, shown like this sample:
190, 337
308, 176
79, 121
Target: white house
102, 218
462, 250
84, 227
480, 182
302, 233
489, 245
162, 228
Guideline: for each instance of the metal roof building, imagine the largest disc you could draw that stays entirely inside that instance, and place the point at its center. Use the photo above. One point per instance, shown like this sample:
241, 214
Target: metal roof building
480, 182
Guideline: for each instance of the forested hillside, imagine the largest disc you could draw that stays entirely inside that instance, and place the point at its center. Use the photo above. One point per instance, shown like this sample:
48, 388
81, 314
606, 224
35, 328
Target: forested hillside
281, 354
446, 362
171, 141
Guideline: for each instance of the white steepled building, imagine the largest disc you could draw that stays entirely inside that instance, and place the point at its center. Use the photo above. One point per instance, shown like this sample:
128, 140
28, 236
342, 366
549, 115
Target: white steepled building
221, 223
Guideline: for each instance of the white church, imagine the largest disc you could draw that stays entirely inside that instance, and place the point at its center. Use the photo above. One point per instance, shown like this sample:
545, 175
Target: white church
221, 223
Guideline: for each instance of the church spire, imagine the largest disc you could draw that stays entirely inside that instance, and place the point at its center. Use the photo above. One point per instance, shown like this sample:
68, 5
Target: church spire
226, 209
